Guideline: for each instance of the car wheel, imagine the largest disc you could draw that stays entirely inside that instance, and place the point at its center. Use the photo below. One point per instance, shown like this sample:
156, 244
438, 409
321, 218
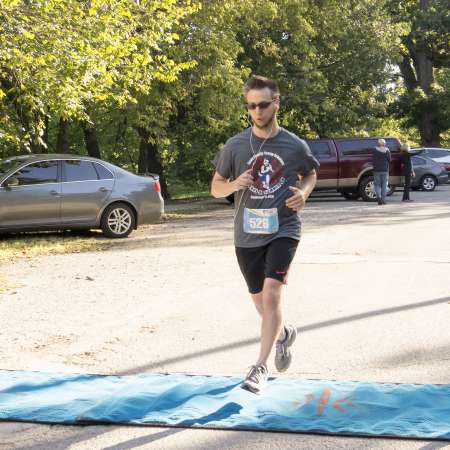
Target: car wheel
428, 183
367, 189
118, 221
350, 195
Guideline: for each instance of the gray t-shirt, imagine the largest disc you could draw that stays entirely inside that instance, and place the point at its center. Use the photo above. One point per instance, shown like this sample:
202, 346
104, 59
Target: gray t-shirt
275, 166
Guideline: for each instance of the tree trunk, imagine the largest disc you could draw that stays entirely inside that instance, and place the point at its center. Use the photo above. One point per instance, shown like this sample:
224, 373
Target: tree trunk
62, 140
429, 133
149, 160
36, 143
45, 134
91, 141
422, 76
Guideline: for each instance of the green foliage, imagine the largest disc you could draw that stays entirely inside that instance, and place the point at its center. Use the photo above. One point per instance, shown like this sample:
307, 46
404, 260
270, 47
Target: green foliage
170, 73
58, 58
331, 59
425, 64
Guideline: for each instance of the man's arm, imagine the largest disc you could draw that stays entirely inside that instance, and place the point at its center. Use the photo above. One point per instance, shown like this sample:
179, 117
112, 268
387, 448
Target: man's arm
222, 187
301, 192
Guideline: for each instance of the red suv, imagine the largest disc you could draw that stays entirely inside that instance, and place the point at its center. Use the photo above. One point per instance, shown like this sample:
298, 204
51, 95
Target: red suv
346, 165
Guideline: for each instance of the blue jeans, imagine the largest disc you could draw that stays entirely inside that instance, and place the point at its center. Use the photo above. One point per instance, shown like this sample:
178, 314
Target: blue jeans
380, 181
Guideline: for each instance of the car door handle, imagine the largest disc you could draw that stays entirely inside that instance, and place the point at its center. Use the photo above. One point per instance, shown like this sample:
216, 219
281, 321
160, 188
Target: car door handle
103, 189
54, 193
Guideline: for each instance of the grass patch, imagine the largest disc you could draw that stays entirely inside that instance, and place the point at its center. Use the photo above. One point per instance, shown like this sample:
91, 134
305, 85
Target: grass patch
185, 192
28, 245
193, 195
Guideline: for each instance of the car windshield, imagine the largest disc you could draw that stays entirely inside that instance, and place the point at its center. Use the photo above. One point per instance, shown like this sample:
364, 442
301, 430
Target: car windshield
8, 164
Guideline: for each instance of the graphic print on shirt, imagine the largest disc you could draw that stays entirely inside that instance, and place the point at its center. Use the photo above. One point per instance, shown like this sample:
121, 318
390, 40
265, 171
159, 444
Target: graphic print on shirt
268, 171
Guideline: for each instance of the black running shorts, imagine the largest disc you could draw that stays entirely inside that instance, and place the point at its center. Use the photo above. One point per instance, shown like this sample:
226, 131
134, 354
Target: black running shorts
269, 261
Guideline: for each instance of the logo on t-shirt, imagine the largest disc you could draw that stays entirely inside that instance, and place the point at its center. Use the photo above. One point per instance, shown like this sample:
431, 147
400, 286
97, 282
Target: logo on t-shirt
268, 169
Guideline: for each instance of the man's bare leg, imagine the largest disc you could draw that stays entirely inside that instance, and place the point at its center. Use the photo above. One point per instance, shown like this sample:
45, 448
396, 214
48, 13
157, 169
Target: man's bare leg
272, 317
258, 302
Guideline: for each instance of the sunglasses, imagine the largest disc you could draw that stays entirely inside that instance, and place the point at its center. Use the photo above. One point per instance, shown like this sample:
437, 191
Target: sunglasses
261, 105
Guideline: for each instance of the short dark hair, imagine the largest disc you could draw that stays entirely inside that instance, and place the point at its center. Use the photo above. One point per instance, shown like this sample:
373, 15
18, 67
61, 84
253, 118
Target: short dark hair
259, 82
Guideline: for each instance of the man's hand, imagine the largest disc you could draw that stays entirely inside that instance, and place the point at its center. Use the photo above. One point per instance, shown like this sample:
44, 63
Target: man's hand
413, 174
244, 180
297, 200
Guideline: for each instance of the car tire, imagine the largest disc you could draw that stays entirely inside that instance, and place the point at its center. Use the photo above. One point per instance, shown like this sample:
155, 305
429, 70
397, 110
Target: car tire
366, 189
391, 190
350, 195
428, 183
118, 221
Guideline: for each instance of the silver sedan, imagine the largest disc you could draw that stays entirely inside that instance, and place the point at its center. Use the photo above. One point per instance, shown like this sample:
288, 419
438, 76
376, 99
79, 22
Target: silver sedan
50, 191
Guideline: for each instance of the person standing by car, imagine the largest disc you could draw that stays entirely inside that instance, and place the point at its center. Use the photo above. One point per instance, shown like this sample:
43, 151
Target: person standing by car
407, 171
381, 159
272, 172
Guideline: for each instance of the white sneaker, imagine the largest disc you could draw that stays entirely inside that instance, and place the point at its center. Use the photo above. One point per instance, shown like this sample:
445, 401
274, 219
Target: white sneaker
255, 379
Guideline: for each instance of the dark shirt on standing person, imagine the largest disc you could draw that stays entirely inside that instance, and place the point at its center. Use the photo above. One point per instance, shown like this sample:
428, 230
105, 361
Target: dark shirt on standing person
406, 163
381, 159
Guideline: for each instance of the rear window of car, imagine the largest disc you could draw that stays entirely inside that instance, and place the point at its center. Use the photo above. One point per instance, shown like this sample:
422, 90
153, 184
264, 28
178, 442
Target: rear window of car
437, 153
321, 150
417, 161
358, 147
79, 170
103, 172
393, 145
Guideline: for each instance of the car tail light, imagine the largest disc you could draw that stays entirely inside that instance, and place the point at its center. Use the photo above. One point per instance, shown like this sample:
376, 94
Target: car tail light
157, 186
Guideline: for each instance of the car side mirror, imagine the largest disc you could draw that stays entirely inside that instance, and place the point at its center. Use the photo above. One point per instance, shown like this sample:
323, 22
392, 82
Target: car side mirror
11, 182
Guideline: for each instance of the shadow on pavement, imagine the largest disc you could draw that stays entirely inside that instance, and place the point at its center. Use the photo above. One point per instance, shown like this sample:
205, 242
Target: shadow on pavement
305, 329
138, 442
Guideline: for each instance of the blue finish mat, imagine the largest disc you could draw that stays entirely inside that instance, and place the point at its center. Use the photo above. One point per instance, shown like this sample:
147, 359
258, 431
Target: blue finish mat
292, 405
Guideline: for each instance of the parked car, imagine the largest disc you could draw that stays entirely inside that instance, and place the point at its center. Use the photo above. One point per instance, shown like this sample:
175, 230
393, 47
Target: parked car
346, 165
52, 192
440, 155
428, 173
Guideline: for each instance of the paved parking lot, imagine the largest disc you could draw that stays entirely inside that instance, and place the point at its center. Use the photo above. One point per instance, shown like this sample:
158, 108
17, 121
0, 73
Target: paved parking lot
368, 291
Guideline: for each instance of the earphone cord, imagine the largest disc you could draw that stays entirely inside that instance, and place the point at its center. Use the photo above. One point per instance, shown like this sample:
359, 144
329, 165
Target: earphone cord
253, 164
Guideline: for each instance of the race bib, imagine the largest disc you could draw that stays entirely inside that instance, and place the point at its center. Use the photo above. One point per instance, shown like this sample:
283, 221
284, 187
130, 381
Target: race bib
260, 221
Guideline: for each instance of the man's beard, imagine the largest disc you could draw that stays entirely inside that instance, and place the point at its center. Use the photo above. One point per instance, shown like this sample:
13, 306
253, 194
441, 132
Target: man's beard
268, 124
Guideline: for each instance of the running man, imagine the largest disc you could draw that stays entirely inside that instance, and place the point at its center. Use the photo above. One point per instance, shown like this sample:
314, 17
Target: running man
267, 223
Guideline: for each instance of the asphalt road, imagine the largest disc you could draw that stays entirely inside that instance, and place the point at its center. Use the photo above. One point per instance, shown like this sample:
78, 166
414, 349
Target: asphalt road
368, 290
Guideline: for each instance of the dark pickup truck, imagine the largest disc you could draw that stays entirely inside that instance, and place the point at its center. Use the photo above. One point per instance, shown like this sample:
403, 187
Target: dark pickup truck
346, 165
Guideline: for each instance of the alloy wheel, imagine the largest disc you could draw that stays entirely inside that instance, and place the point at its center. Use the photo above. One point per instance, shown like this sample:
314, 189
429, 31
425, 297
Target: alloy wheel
370, 190
428, 183
119, 220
